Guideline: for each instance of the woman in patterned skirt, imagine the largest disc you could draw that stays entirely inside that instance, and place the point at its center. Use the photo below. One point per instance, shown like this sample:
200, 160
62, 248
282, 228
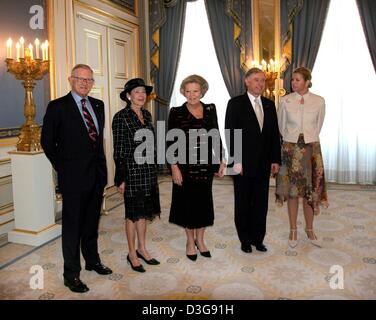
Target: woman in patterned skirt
192, 200
135, 178
300, 118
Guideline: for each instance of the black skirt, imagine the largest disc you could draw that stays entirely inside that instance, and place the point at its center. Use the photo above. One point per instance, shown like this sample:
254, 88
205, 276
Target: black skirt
192, 203
142, 205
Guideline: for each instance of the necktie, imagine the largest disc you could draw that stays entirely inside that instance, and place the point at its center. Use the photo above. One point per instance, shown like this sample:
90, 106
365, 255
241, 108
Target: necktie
259, 115
302, 100
89, 122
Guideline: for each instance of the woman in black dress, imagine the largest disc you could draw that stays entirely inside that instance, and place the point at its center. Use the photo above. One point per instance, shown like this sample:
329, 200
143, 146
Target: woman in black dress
137, 182
192, 200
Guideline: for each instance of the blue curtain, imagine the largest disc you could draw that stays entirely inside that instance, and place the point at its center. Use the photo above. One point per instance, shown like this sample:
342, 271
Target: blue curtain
367, 12
171, 27
308, 26
167, 18
233, 50
289, 10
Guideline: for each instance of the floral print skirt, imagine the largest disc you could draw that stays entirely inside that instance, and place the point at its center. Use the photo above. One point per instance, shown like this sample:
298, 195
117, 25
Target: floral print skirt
302, 174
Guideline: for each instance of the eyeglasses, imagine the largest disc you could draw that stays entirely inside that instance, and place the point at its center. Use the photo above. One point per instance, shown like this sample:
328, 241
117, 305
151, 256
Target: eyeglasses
83, 80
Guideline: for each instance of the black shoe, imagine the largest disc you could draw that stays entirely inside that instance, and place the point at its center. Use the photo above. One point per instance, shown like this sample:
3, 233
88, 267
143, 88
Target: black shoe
247, 248
139, 268
192, 257
76, 285
98, 268
152, 261
261, 247
205, 254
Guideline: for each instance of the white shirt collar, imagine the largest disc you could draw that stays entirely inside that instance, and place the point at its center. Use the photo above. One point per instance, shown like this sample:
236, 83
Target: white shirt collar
252, 98
304, 96
78, 98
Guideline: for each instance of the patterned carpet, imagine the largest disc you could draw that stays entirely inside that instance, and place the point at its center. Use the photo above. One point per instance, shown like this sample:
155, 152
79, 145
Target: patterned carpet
347, 230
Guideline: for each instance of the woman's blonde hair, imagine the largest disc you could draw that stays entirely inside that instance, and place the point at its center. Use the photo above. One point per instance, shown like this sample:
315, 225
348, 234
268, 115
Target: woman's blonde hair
194, 78
306, 74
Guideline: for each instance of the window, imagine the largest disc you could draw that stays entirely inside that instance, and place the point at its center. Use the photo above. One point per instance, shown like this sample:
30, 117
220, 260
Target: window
344, 75
198, 57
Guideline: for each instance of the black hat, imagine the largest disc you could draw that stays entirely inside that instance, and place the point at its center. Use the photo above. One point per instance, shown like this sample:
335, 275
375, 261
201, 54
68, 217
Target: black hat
134, 83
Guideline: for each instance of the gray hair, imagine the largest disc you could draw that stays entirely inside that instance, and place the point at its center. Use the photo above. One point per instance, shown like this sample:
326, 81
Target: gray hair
81, 66
194, 78
253, 71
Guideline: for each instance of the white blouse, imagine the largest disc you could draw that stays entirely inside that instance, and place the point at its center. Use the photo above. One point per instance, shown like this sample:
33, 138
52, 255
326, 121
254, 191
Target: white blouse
295, 118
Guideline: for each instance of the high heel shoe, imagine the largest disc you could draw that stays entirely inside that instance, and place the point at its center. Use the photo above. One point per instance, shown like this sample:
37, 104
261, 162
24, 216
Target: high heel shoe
192, 257
152, 261
293, 242
139, 268
313, 241
205, 254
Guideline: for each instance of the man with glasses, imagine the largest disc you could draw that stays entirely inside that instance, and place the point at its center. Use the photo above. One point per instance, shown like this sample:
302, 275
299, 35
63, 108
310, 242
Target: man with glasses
72, 138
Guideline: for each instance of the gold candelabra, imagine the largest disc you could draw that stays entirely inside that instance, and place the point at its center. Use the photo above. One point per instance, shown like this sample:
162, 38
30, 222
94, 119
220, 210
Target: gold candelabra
28, 69
271, 76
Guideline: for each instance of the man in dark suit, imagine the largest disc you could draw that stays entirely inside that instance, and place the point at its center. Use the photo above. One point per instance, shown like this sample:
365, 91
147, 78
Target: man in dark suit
256, 116
72, 138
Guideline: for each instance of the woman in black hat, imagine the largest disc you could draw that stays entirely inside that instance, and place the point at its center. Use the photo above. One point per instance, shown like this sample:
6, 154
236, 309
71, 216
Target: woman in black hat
135, 179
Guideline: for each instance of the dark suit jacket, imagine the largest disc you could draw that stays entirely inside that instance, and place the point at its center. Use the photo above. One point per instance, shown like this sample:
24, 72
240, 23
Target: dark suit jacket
66, 143
259, 149
181, 118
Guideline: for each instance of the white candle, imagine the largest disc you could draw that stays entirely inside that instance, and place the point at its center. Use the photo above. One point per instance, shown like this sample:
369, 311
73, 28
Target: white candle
46, 42
45, 50
22, 50
9, 48
263, 62
37, 48
43, 55
272, 65
18, 47
31, 51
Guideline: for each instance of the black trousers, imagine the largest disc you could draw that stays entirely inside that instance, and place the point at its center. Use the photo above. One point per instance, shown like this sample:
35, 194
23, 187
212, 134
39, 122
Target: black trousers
251, 207
81, 212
